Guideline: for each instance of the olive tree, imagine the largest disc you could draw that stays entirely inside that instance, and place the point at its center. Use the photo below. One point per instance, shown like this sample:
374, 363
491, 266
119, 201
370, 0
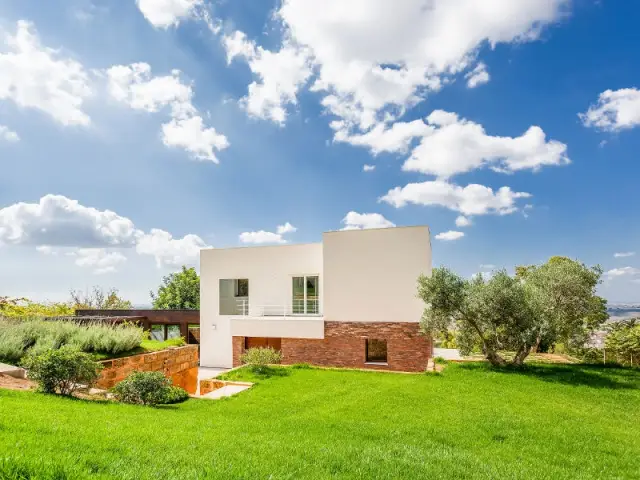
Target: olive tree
554, 301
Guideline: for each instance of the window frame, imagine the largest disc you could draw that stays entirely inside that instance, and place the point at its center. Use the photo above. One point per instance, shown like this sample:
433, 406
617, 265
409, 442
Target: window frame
378, 361
305, 298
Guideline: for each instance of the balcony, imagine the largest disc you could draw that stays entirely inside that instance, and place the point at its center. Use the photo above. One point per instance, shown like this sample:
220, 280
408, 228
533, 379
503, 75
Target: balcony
301, 319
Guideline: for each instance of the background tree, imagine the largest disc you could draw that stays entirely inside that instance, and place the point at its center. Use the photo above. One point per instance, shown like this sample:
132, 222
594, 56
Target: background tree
180, 290
554, 301
623, 342
99, 299
23, 308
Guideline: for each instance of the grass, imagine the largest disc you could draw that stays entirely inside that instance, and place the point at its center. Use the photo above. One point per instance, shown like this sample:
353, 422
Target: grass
146, 346
470, 421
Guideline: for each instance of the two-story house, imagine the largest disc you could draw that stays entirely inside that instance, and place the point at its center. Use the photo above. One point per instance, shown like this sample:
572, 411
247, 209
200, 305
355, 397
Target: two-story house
350, 301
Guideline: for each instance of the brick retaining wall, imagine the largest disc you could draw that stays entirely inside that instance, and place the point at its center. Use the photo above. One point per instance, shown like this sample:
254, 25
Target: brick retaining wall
344, 346
179, 363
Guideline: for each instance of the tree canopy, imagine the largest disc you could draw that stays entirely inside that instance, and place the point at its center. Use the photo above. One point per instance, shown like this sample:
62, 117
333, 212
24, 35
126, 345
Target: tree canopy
99, 299
180, 290
623, 342
23, 307
551, 302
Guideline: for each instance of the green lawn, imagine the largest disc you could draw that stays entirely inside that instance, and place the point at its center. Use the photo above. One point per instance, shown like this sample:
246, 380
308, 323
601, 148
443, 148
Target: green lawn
551, 422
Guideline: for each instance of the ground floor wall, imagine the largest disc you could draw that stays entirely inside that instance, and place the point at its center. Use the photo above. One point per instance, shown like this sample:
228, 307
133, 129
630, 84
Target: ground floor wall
345, 343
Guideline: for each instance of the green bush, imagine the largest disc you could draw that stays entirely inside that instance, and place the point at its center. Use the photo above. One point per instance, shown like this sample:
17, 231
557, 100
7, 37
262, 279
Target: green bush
35, 336
440, 361
259, 358
148, 388
63, 370
176, 395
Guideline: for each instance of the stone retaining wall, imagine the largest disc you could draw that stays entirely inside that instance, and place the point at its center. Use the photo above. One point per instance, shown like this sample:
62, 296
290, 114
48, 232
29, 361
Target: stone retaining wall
178, 363
344, 345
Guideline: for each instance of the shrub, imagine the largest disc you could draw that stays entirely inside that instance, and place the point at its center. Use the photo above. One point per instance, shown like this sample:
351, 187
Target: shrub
175, 395
36, 336
63, 370
148, 388
440, 361
259, 358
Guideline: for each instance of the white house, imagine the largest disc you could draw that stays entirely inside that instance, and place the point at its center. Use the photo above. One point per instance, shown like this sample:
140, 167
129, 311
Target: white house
349, 301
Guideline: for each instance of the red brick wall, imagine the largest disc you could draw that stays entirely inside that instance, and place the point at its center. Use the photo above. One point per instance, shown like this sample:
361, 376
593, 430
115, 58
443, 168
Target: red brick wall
176, 363
344, 346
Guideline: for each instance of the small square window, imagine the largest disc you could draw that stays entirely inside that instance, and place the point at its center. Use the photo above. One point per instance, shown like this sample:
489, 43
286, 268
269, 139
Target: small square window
157, 332
376, 351
173, 331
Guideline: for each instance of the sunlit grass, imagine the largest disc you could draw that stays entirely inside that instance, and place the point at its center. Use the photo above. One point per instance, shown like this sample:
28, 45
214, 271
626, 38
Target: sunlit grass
470, 421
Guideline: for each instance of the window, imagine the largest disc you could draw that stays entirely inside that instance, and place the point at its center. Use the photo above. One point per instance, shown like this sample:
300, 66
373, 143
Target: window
241, 287
376, 351
234, 296
173, 331
157, 332
306, 295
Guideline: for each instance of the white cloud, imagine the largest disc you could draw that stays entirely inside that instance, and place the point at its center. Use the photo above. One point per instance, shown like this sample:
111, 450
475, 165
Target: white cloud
449, 236
450, 145
622, 272
462, 221
134, 86
8, 135
456, 145
262, 236
624, 254
286, 228
39, 77
191, 134
375, 58
375, 54
380, 139
99, 260
477, 76
57, 224
368, 168
59, 221
168, 250
167, 13
616, 110
280, 75
360, 221
473, 199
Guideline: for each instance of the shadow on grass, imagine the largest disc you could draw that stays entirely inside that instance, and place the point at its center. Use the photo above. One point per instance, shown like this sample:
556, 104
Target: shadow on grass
595, 376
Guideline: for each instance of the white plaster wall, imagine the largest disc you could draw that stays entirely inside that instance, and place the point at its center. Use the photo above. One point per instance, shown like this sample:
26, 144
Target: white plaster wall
300, 327
269, 270
371, 275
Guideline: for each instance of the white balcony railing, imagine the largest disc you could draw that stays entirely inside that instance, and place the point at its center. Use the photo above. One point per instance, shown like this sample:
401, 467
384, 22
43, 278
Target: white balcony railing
297, 308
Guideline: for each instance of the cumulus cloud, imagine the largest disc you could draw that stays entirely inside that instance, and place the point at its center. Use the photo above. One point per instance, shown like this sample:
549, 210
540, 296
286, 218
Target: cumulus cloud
39, 77
135, 86
477, 76
615, 110
462, 221
368, 168
622, 272
279, 75
372, 59
167, 13
264, 237
449, 236
624, 254
168, 250
95, 237
473, 199
456, 145
61, 222
361, 221
99, 260
286, 228
8, 135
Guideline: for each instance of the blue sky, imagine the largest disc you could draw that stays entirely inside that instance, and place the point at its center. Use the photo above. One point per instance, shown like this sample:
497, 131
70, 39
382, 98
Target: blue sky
133, 133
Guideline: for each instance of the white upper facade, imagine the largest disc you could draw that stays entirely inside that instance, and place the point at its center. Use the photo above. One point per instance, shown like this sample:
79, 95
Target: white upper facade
289, 291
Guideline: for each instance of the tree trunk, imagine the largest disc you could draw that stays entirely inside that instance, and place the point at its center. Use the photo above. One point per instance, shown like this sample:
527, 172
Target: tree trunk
493, 357
536, 347
521, 354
